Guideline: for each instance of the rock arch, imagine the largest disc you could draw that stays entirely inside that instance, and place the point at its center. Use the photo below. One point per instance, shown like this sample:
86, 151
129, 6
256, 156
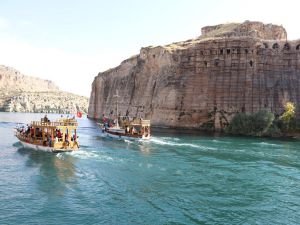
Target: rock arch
275, 46
286, 46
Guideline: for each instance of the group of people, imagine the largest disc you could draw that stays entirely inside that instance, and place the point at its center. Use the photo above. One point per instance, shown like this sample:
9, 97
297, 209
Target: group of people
130, 130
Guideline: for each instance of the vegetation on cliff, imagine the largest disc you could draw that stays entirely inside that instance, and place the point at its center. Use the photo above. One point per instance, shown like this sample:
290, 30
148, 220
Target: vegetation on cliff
264, 123
256, 124
288, 117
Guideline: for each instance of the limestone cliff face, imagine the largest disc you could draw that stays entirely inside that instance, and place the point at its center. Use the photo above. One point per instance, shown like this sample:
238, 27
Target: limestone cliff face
12, 79
202, 83
20, 93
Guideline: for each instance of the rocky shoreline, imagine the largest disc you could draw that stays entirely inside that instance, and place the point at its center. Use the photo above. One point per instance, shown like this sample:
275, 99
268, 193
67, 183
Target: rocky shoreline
21, 93
44, 102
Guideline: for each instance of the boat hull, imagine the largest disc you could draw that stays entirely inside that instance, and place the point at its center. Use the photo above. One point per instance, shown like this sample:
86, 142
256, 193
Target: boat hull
43, 148
121, 136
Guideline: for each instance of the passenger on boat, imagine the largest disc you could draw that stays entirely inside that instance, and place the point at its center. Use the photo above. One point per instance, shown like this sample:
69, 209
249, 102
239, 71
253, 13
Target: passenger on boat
104, 119
32, 131
27, 130
58, 133
49, 141
45, 118
73, 138
76, 142
67, 139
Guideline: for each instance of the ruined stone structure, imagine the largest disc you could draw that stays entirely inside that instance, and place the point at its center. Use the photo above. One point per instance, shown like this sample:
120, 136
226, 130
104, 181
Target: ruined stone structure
201, 83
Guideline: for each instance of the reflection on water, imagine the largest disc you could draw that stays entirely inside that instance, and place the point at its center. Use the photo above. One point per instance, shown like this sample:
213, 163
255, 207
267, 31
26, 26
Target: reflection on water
145, 148
56, 171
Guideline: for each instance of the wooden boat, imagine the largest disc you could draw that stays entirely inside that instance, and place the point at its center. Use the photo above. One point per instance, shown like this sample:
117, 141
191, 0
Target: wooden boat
127, 129
57, 136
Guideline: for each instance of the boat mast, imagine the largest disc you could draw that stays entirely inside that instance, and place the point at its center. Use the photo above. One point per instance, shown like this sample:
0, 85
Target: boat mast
117, 96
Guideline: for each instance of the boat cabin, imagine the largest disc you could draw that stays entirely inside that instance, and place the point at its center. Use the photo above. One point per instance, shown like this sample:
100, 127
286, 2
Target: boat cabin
59, 135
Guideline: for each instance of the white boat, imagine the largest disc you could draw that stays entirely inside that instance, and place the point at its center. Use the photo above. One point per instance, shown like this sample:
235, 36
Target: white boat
130, 129
58, 136
125, 128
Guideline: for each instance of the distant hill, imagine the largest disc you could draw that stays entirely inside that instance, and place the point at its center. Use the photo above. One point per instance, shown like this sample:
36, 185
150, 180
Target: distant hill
12, 80
21, 93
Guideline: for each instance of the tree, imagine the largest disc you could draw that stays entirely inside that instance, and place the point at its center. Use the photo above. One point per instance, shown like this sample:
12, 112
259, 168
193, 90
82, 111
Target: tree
288, 115
256, 124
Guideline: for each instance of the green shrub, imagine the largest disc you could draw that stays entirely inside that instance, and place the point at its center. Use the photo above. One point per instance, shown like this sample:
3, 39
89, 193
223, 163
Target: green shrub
257, 124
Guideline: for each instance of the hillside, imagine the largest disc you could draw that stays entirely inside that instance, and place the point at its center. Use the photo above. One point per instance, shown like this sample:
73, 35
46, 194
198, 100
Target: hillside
21, 93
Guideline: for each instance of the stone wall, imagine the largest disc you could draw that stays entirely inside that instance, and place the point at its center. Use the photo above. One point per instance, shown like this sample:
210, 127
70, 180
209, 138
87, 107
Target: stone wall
202, 83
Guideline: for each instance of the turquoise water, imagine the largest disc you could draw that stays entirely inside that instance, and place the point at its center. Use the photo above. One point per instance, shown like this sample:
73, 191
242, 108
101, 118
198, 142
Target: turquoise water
172, 179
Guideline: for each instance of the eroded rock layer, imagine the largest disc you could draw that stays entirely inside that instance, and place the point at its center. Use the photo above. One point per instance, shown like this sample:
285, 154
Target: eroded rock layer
201, 83
21, 93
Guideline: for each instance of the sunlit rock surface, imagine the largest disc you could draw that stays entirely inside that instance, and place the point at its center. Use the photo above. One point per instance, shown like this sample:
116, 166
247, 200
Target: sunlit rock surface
21, 93
201, 83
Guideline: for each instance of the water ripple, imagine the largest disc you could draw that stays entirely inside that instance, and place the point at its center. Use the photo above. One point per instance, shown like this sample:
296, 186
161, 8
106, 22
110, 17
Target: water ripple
171, 179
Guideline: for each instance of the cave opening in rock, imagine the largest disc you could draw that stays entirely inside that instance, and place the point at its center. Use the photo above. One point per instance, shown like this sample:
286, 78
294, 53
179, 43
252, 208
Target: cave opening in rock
266, 45
275, 46
251, 63
286, 46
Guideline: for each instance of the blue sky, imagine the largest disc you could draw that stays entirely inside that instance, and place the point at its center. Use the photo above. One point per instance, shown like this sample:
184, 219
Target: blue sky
74, 40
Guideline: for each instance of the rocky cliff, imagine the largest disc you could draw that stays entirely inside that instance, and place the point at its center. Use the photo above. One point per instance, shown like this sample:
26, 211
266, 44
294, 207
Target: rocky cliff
20, 93
201, 83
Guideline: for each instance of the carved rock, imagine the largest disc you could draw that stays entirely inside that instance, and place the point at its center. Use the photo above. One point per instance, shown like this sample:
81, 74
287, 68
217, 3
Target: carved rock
201, 83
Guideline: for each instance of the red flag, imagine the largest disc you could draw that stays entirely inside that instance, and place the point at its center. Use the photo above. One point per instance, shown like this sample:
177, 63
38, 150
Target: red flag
79, 114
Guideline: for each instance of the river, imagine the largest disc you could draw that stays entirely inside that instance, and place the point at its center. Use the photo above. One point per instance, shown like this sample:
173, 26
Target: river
174, 178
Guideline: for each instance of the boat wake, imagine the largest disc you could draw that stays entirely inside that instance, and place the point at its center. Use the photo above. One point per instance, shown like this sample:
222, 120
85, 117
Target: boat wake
93, 155
174, 142
221, 142
266, 144
128, 141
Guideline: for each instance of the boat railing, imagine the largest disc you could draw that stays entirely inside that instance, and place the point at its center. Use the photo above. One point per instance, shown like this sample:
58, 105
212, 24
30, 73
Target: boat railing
55, 123
145, 123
